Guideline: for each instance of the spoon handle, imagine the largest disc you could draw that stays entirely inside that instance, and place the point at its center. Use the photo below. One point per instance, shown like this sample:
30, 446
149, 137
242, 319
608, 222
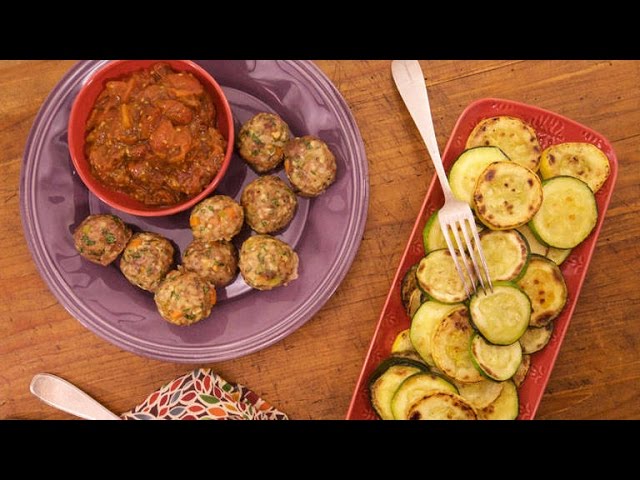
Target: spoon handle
64, 396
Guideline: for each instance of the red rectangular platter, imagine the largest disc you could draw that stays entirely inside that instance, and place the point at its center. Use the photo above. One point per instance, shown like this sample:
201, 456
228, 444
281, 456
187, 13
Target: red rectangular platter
551, 129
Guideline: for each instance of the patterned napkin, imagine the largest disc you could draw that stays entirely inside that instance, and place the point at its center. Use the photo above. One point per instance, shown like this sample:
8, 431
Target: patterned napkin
203, 395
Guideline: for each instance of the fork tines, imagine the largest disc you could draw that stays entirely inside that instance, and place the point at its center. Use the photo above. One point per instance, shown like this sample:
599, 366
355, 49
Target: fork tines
472, 244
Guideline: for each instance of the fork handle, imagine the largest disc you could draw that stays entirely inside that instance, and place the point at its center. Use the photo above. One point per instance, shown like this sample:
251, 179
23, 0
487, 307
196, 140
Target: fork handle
410, 82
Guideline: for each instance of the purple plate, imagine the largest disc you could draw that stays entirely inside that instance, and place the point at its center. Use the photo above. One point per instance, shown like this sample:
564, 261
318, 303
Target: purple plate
326, 231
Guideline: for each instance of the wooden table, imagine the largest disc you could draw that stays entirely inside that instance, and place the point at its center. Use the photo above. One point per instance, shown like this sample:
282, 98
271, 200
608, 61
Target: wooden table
311, 374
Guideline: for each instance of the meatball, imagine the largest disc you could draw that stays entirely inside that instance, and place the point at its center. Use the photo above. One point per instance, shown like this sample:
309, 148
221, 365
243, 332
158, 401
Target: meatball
216, 262
309, 165
101, 238
216, 218
146, 260
269, 204
183, 298
266, 262
261, 141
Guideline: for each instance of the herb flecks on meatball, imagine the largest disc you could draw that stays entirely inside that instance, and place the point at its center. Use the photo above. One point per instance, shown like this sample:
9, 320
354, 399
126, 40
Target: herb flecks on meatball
216, 218
146, 260
261, 141
269, 204
216, 262
101, 238
267, 262
184, 298
310, 165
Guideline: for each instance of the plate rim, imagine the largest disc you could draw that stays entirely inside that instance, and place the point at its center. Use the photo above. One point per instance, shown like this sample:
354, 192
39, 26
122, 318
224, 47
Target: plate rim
305, 311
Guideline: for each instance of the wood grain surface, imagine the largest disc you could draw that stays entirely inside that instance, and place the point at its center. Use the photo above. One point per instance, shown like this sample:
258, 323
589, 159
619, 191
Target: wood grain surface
311, 374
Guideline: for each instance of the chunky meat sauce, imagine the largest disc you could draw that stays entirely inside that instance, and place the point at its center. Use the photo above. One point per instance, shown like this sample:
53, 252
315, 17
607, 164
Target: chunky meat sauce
151, 135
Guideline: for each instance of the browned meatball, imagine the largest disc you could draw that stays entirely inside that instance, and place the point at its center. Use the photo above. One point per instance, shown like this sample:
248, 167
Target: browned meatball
261, 141
216, 218
309, 165
269, 204
183, 298
266, 262
216, 262
101, 238
146, 260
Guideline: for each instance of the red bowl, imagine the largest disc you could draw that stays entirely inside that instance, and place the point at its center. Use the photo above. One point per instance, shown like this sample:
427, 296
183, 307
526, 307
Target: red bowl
83, 104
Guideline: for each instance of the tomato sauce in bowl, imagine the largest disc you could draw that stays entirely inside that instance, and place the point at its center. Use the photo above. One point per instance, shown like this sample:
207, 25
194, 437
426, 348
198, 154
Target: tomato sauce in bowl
151, 135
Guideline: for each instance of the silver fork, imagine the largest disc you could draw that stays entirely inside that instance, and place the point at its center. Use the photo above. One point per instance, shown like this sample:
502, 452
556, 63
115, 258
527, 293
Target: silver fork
455, 214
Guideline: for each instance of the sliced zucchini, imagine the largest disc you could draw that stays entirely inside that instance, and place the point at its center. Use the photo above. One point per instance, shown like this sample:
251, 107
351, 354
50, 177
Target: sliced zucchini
467, 168
534, 244
507, 195
558, 255
450, 347
536, 338
580, 160
408, 285
442, 406
424, 323
513, 136
402, 343
433, 238
417, 298
568, 213
480, 394
414, 388
505, 407
385, 380
501, 316
545, 286
506, 253
437, 275
523, 369
498, 362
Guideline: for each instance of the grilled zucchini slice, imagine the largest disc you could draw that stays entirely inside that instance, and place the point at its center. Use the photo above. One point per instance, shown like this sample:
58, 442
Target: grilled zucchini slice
385, 380
536, 338
412, 296
506, 253
467, 168
534, 244
505, 407
423, 324
497, 362
501, 316
545, 286
523, 369
402, 343
450, 347
580, 160
480, 394
442, 406
414, 388
558, 255
408, 285
437, 275
433, 238
513, 136
507, 195
568, 213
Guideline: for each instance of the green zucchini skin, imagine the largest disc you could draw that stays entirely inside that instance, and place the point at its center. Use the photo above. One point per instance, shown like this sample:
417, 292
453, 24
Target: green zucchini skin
568, 213
496, 362
414, 387
545, 286
498, 328
381, 389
